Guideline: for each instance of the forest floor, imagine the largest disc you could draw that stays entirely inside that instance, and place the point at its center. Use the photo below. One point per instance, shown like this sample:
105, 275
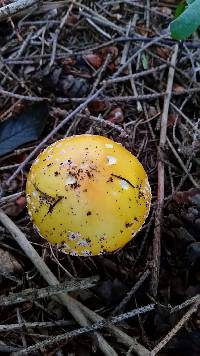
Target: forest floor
108, 68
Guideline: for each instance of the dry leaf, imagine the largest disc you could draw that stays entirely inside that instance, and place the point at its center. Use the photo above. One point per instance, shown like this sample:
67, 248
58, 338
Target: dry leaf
163, 52
116, 116
177, 88
113, 51
21, 202
94, 60
191, 196
72, 20
14, 208
141, 29
171, 120
67, 63
98, 106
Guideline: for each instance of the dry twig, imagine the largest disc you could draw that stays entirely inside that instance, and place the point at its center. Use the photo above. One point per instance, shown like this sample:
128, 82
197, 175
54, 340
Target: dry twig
33, 294
100, 324
175, 329
66, 300
161, 177
82, 106
15, 7
74, 307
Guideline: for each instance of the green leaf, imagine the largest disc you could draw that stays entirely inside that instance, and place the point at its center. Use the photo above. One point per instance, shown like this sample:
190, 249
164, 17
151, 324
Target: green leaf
180, 8
187, 22
144, 61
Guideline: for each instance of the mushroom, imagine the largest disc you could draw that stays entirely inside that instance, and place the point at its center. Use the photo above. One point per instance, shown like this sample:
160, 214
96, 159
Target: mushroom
88, 195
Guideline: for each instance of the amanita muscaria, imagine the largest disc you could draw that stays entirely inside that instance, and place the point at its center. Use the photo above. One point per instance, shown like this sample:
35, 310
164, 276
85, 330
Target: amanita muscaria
88, 195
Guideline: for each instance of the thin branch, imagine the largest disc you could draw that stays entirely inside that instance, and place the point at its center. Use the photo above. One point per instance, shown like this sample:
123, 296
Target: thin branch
21, 97
57, 33
15, 7
80, 313
129, 295
56, 129
174, 331
81, 107
185, 304
99, 325
195, 184
51, 279
33, 294
137, 75
161, 177
37, 324
109, 124
117, 332
116, 98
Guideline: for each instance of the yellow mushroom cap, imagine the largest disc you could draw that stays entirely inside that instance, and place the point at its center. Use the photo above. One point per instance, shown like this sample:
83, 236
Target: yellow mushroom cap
88, 195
